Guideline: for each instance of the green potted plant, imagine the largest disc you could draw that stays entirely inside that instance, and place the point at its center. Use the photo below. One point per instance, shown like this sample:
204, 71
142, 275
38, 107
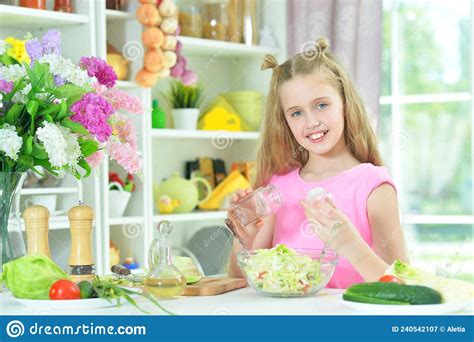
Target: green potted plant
185, 100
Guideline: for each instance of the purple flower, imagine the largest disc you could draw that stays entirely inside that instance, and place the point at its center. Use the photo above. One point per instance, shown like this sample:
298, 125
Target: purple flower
6, 86
51, 42
34, 49
58, 80
99, 69
92, 111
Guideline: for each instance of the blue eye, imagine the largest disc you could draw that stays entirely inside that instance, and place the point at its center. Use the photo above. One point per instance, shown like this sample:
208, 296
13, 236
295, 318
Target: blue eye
297, 113
321, 105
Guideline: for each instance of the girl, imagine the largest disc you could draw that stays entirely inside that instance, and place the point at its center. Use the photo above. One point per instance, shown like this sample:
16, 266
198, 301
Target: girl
316, 134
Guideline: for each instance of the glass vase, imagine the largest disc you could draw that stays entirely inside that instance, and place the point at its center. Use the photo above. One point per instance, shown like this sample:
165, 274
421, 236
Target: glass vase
12, 244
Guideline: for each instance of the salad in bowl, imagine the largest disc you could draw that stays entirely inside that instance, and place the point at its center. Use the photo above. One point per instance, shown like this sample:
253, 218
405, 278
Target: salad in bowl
286, 272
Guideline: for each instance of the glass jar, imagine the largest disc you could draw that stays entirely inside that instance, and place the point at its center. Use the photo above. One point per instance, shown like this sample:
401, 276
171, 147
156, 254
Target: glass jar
190, 19
256, 205
250, 33
63, 6
117, 5
215, 20
38, 4
234, 30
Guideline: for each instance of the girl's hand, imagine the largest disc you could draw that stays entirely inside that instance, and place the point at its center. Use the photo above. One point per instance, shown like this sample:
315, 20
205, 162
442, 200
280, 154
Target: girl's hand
248, 232
332, 226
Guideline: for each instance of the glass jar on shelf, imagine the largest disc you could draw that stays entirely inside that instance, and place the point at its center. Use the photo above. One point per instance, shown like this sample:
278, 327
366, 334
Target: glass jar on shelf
190, 18
215, 19
250, 25
117, 5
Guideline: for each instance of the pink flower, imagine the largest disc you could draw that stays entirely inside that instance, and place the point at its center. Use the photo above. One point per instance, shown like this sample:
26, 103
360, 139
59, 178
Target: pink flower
123, 129
95, 159
92, 111
123, 100
125, 155
99, 69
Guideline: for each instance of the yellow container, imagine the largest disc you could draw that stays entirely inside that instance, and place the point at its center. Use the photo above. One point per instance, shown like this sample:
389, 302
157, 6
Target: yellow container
249, 106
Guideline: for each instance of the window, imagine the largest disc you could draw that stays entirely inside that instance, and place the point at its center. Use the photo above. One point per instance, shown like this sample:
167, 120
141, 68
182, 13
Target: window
426, 122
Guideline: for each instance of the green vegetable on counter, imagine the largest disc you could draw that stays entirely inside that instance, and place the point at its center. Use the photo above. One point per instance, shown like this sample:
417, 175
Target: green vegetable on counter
108, 291
87, 291
31, 276
452, 290
392, 293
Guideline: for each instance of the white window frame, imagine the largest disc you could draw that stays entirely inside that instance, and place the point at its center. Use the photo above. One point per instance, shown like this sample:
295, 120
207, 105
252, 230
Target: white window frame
396, 100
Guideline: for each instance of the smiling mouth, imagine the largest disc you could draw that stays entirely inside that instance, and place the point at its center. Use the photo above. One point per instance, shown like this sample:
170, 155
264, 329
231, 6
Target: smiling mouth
317, 136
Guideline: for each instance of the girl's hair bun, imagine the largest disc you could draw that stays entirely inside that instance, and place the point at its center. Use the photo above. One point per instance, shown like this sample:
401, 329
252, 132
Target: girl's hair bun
322, 43
269, 62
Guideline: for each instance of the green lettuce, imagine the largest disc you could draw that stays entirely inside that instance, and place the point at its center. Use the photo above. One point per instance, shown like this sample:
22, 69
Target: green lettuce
452, 290
31, 276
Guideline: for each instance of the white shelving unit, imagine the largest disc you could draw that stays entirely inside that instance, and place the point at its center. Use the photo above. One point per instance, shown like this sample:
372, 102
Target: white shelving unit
222, 66
184, 134
15, 17
216, 48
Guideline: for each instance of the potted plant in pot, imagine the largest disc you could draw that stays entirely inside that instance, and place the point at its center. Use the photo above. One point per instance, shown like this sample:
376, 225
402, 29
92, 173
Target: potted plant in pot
56, 117
120, 192
185, 100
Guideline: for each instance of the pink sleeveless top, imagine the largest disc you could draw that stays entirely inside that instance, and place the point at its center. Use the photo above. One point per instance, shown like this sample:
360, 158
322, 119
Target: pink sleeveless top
351, 189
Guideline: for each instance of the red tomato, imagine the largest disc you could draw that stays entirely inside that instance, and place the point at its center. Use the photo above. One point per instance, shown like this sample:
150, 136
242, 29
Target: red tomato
390, 279
64, 289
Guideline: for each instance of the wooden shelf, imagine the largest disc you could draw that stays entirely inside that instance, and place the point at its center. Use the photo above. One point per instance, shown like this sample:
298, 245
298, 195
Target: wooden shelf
27, 18
209, 47
197, 134
190, 217
47, 191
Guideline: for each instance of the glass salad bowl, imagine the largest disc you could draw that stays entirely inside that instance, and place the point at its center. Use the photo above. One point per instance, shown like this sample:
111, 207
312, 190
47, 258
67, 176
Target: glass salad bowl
285, 272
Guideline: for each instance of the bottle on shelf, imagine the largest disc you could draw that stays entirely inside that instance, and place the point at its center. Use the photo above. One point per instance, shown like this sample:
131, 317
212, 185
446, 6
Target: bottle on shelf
63, 6
158, 116
38, 4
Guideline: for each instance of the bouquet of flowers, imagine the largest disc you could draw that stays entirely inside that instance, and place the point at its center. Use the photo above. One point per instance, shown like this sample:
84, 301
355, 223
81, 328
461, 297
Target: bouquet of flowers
60, 115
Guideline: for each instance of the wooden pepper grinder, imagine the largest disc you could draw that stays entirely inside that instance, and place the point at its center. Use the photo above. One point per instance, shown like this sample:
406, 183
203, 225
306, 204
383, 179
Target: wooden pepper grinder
36, 226
80, 259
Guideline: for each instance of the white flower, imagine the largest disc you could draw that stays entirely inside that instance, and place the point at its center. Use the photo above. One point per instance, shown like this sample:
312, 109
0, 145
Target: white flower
3, 46
12, 72
65, 68
21, 95
10, 141
60, 144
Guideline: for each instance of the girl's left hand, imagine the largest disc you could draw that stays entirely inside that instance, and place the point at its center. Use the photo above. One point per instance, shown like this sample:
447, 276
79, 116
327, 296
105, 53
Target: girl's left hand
332, 226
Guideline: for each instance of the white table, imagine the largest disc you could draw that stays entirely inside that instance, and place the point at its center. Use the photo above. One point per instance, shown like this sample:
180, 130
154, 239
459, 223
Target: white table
240, 302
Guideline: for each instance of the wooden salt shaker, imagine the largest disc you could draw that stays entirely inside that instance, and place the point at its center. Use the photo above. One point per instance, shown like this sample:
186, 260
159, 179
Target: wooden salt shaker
80, 259
36, 226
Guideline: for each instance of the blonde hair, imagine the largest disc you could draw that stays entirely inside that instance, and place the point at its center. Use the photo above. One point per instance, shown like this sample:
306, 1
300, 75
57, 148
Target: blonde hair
279, 152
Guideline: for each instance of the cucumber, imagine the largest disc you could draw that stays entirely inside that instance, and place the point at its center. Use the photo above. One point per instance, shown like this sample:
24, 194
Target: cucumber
87, 291
410, 294
363, 299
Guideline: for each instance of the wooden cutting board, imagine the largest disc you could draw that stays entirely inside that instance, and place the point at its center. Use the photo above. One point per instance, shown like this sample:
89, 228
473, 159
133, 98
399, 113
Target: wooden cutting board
214, 286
